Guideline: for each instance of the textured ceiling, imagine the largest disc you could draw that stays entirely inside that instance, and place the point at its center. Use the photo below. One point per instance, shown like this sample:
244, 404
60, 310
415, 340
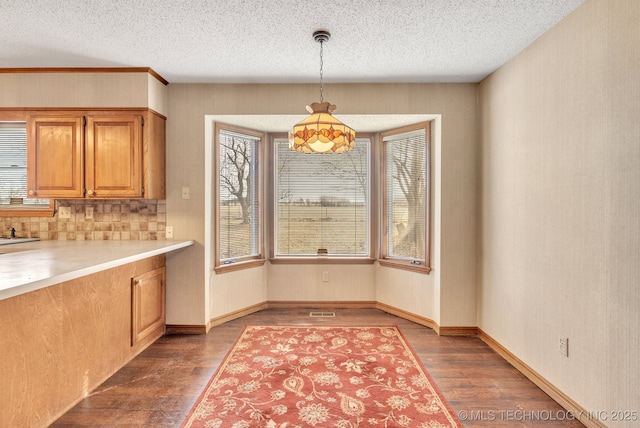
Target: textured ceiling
269, 41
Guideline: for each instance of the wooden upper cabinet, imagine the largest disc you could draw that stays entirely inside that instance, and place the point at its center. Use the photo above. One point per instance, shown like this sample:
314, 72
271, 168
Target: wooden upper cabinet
113, 157
55, 157
96, 154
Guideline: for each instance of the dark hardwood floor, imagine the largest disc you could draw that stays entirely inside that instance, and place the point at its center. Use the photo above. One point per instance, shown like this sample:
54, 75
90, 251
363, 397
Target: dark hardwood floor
159, 387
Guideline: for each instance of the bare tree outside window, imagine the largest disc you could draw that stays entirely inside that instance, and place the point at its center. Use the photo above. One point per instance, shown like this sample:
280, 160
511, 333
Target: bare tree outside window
235, 172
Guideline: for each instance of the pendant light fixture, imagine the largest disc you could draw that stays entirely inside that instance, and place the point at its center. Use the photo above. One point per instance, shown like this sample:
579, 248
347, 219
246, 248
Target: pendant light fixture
321, 132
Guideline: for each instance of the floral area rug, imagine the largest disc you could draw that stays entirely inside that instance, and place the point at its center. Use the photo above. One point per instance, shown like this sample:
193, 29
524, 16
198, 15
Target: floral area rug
301, 376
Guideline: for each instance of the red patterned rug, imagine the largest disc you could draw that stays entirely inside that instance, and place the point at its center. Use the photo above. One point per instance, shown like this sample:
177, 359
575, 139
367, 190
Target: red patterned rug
299, 376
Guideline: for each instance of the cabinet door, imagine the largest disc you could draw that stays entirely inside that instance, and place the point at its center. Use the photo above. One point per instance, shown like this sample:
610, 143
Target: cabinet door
147, 304
153, 157
55, 157
114, 156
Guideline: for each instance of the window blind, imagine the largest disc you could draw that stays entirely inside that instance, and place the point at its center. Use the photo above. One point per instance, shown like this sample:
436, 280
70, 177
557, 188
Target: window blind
322, 201
239, 208
13, 166
406, 193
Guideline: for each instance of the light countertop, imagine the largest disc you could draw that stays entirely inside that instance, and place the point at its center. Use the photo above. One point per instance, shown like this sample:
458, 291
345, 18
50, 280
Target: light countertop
30, 266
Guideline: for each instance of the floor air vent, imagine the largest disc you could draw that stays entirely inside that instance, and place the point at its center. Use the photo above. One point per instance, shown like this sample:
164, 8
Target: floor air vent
322, 314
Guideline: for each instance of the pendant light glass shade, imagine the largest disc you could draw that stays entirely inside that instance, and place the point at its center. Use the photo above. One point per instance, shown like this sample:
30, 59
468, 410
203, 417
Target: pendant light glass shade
321, 132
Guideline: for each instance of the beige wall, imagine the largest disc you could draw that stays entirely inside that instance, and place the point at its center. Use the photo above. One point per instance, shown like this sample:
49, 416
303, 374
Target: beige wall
560, 217
83, 90
447, 295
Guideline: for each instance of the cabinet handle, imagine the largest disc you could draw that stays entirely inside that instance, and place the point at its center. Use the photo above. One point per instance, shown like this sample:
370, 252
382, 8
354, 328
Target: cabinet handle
32, 192
90, 192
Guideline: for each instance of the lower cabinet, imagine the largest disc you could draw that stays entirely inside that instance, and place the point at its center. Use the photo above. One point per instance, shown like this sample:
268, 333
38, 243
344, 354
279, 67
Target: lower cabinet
61, 342
147, 304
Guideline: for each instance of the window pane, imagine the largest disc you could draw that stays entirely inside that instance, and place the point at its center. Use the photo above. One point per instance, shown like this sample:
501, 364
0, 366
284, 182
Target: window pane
239, 196
406, 187
13, 168
322, 201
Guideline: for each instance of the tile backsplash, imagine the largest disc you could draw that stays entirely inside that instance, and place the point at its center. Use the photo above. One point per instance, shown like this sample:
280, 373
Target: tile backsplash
126, 220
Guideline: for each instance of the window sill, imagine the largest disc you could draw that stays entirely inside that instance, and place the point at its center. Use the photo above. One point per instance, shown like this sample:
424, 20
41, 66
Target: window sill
245, 264
322, 260
405, 265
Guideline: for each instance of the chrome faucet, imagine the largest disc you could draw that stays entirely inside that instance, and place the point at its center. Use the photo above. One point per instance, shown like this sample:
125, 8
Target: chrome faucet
13, 232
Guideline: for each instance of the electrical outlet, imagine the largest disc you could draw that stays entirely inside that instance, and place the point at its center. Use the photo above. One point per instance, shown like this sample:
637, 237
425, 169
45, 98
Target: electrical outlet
64, 212
325, 276
564, 346
169, 232
88, 213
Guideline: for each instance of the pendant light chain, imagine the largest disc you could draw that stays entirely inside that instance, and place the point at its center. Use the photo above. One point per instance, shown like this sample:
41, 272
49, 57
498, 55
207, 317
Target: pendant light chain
321, 36
321, 64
